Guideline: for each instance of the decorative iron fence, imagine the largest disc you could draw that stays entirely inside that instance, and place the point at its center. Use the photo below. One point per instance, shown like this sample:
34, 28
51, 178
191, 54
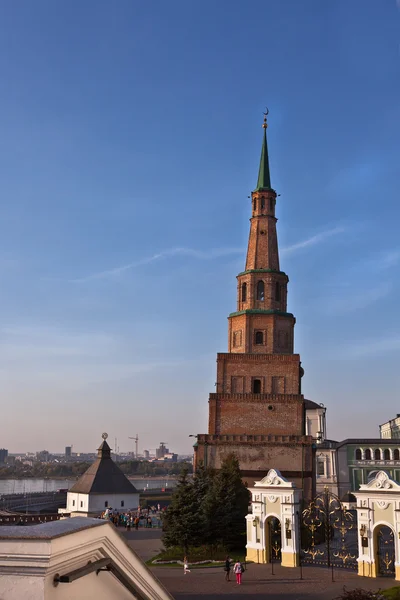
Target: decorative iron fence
328, 533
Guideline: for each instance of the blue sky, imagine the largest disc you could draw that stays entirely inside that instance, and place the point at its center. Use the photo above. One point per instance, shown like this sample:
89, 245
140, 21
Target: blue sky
130, 140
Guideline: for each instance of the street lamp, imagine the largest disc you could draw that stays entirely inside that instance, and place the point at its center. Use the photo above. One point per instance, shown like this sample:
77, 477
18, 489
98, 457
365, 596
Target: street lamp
288, 531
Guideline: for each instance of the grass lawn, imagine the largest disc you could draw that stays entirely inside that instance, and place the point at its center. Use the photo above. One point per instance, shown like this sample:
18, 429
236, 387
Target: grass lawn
205, 556
392, 593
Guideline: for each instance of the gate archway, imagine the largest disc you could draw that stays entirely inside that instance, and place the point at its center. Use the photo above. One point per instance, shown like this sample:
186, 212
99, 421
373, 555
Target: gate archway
378, 511
385, 551
273, 523
273, 539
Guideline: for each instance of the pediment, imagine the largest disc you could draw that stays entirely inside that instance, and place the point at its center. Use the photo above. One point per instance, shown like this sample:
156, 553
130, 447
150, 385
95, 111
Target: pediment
381, 482
274, 479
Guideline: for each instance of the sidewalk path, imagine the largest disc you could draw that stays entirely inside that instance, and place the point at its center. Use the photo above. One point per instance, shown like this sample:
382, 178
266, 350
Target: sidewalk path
258, 581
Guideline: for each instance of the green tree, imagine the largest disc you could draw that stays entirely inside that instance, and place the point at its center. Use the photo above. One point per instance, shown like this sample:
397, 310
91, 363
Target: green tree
227, 505
203, 481
182, 523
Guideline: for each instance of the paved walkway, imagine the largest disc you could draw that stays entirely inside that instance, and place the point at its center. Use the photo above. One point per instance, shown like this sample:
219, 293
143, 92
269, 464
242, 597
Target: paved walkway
258, 581
146, 542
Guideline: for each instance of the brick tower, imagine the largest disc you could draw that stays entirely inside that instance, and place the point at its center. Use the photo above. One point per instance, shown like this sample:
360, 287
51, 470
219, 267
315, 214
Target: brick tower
258, 410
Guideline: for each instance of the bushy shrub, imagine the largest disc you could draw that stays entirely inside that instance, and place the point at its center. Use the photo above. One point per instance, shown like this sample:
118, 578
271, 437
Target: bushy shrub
359, 594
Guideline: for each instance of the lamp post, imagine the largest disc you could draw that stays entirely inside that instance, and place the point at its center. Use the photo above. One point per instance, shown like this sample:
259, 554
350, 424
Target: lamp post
205, 447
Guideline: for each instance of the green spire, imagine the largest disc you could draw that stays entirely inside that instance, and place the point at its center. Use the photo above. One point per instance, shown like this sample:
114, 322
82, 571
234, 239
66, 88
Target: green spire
264, 180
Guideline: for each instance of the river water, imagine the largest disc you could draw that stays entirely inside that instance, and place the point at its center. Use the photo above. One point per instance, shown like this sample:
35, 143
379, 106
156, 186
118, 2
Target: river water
27, 486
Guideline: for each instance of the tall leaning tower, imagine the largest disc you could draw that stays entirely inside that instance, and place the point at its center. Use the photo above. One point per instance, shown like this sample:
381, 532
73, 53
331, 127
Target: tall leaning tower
257, 410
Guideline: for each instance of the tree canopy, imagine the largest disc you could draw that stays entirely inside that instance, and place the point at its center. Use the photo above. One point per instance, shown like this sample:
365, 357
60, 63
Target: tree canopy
208, 509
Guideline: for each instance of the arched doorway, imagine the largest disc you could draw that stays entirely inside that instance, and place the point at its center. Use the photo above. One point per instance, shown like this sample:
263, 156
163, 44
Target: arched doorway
385, 551
273, 540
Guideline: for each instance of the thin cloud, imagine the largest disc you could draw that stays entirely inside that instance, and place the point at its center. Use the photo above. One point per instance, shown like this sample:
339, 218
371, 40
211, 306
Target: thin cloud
346, 302
313, 240
211, 254
387, 260
171, 252
373, 347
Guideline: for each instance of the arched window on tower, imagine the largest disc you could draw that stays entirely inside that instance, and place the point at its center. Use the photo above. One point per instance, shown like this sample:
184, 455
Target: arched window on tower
358, 454
277, 291
256, 386
259, 338
244, 292
254, 205
396, 454
386, 454
368, 454
262, 203
377, 454
260, 290
271, 204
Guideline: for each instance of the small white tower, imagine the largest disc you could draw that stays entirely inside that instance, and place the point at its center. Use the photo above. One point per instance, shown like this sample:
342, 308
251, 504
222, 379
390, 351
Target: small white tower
102, 486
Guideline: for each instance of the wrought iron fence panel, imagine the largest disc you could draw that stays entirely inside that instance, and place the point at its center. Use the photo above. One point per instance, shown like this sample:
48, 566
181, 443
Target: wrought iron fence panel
328, 533
386, 552
275, 539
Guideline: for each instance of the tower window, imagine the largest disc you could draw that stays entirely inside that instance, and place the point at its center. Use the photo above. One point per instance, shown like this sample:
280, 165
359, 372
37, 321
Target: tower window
377, 454
254, 205
262, 203
244, 292
368, 454
358, 454
122, 503
106, 503
237, 338
271, 204
81, 503
260, 290
259, 338
386, 454
277, 291
396, 454
278, 385
256, 386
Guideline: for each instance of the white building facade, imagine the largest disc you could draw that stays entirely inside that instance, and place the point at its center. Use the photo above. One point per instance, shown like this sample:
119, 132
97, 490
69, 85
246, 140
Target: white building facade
73, 559
390, 429
103, 486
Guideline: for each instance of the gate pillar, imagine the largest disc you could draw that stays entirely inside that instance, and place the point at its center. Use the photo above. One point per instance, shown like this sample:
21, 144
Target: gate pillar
274, 497
378, 509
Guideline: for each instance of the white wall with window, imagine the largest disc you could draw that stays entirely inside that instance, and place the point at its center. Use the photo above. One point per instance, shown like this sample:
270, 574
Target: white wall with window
89, 504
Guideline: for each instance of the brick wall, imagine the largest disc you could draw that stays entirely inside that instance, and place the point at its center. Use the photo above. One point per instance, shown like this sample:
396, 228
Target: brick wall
263, 366
278, 333
257, 414
292, 456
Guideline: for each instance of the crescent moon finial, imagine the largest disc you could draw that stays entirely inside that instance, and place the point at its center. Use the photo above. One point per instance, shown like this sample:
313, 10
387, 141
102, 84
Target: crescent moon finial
266, 113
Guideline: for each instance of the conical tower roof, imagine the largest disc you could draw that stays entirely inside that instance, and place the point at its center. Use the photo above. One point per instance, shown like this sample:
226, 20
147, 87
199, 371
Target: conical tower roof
264, 178
104, 476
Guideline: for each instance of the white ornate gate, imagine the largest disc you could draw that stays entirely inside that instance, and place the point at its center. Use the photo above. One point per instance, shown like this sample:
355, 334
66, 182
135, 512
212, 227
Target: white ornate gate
272, 525
378, 511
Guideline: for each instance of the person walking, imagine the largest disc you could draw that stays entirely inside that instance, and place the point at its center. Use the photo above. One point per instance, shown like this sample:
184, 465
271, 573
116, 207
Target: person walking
227, 568
238, 570
185, 565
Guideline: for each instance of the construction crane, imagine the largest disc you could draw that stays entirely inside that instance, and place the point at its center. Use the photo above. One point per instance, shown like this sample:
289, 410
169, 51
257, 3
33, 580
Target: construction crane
136, 438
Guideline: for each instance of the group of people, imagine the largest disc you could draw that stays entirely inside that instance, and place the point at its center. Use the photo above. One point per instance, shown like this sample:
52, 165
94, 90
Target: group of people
238, 569
132, 519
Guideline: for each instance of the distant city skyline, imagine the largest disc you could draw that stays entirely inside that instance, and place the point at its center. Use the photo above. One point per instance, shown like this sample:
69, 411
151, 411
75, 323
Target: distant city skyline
130, 145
